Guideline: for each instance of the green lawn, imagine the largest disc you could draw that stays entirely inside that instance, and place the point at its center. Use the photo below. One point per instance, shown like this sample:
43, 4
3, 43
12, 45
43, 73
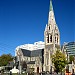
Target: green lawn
23, 74
14, 74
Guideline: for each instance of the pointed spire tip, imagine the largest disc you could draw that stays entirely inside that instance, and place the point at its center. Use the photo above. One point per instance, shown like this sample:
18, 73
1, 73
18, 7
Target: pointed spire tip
51, 6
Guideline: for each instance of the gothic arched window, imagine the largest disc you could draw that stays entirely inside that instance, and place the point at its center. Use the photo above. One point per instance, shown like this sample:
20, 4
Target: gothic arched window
49, 27
51, 38
48, 39
55, 39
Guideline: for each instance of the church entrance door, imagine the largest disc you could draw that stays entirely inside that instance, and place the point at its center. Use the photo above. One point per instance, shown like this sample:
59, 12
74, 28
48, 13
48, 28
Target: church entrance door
37, 69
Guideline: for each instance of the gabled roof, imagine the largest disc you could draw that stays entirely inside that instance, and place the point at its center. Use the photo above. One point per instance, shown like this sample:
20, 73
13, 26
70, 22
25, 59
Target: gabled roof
26, 52
36, 53
33, 53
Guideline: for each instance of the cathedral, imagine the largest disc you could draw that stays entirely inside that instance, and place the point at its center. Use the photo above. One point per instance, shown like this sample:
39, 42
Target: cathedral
38, 56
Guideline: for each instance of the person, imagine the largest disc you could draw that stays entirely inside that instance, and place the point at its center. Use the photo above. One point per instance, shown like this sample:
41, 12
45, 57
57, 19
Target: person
10, 73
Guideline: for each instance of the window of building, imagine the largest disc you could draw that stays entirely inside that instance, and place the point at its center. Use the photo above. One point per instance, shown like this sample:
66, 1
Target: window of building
32, 58
27, 58
48, 39
49, 27
51, 38
55, 39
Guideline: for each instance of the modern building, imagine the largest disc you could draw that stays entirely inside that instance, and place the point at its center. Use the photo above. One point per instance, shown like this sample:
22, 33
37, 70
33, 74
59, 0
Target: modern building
38, 56
69, 48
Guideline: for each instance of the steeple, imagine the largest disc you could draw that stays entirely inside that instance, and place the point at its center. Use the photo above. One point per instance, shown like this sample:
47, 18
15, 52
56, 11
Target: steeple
51, 6
51, 17
51, 38
52, 28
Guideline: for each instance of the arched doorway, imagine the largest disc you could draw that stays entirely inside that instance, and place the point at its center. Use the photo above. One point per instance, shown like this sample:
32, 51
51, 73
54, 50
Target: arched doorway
37, 69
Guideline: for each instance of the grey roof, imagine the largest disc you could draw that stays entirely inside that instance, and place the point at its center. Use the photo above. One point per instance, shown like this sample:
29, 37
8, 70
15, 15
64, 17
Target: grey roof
31, 62
26, 52
34, 53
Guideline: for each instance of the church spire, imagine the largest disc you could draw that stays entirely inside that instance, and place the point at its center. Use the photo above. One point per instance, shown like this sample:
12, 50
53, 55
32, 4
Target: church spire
51, 6
51, 14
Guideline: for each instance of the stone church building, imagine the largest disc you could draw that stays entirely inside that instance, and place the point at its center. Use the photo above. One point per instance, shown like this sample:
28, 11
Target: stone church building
38, 56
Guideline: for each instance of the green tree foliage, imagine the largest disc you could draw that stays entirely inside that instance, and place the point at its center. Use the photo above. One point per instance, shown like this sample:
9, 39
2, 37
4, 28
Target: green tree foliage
71, 58
59, 61
5, 59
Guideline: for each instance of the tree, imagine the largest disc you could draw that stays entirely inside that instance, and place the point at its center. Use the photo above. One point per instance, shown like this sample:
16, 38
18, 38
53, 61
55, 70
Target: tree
5, 59
59, 61
71, 58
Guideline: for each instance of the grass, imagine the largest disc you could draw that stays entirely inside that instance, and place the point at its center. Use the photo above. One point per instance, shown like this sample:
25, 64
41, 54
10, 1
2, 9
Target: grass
15, 74
21, 74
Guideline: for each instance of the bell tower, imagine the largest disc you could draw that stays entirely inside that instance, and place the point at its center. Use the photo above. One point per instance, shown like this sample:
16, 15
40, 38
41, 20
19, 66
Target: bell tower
51, 39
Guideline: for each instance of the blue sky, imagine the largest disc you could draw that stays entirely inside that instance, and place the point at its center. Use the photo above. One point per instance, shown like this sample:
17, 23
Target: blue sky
24, 21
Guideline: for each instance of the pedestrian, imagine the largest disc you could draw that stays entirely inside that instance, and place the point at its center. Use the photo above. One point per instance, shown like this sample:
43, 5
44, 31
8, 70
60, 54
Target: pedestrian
10, 73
